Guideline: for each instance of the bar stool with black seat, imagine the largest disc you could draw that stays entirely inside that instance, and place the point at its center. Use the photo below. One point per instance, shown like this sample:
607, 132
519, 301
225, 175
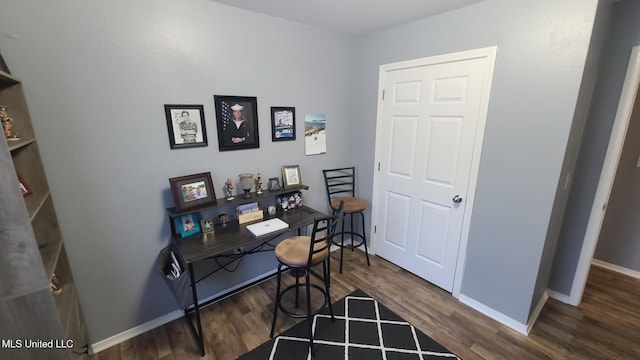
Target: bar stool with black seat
341, 187
302, 254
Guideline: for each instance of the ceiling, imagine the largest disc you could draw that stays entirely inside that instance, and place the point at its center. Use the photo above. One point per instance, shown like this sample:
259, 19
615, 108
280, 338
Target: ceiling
351, 17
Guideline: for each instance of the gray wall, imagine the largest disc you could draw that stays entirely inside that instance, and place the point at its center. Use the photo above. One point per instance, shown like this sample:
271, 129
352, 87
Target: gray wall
624, 33
542, 48
96, 76
598, 40
618, 243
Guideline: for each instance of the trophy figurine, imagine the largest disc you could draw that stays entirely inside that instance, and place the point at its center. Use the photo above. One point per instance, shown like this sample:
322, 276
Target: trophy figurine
229, 187
246, 184
6, 124
259, 184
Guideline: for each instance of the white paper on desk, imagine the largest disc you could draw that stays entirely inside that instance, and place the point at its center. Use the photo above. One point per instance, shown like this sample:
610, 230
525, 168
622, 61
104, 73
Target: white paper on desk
267, 226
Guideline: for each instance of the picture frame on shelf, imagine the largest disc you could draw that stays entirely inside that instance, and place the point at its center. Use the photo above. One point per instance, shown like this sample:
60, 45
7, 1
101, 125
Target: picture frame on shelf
274, 184
207, 225
25, 190
186, 126
237, 122
187, 225
192, 192
291, 178
283, 123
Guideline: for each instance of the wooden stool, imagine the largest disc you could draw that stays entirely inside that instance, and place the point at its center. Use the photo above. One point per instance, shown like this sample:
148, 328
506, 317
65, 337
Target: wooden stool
302, 254
341, 187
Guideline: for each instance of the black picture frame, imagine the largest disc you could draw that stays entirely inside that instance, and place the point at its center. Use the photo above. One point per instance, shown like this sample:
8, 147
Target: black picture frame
245, 135
283, 123
291, 178
186, 132
203, 194
274, 184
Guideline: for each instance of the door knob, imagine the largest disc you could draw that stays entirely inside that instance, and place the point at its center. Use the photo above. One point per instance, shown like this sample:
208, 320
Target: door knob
457, 199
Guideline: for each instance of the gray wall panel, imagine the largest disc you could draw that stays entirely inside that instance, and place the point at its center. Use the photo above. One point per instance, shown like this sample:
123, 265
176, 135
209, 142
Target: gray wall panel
624, 34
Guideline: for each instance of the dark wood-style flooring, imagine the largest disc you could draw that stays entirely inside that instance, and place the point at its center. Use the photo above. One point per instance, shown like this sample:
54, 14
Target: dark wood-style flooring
605, 326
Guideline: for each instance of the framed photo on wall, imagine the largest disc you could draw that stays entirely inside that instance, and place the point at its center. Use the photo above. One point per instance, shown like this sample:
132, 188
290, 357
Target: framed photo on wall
237, 122
291, 176
283, 123
186, 127
192, 192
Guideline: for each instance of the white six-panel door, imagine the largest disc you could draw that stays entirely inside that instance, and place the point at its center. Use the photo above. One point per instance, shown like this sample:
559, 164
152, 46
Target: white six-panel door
428, 126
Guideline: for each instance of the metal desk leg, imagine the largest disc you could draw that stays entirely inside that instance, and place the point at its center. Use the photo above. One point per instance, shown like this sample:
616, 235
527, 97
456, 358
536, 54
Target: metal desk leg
196, 308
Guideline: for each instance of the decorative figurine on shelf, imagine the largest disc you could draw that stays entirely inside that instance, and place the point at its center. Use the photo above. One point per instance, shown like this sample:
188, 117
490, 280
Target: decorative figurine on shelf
246, 184
6, 124
223, 219
55, 286
229, 187
259, 184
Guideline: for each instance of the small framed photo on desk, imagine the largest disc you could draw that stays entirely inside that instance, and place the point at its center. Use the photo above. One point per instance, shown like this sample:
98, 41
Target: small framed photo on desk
274, 184
192, 192
206, 225
291, 176
187, 225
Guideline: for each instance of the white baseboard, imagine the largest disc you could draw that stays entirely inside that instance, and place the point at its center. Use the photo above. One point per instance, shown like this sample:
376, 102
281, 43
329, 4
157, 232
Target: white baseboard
150, 325
558, 296
616, 268
135, 331
495, 315
536, 312
603, 264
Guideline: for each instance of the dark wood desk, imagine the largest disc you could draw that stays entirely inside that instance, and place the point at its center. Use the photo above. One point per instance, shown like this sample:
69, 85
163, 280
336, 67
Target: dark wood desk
201, 247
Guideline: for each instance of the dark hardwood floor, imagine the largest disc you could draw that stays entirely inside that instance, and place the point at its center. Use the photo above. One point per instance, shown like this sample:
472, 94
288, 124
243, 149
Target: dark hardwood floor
605, 326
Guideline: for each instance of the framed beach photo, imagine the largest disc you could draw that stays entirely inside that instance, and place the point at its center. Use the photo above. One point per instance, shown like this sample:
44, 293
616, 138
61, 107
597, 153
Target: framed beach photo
192, 192
283, 123
186, 126
291, 176
187, 225
237, 122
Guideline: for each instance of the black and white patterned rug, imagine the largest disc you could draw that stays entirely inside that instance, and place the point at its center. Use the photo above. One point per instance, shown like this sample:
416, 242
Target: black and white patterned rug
364, 330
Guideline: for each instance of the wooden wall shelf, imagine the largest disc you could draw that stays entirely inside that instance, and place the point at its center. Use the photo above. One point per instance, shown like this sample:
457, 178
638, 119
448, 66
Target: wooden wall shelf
239, 200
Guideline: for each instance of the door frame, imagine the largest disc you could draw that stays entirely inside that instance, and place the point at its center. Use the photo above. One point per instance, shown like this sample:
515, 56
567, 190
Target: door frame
607, 175
490, 54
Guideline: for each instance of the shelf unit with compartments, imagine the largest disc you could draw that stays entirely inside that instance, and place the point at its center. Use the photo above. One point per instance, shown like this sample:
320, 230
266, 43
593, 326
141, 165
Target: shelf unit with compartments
38, 298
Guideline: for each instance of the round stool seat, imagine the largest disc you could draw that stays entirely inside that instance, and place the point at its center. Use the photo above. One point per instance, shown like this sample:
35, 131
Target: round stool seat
294, 251
351, 204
